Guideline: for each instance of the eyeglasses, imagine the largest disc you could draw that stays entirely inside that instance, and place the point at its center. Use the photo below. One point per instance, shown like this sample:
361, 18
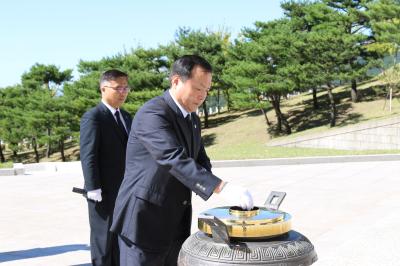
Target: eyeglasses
120, 89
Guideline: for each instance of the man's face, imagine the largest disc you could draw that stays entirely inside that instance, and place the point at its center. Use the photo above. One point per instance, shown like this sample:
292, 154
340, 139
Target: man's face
192, 93
114, 92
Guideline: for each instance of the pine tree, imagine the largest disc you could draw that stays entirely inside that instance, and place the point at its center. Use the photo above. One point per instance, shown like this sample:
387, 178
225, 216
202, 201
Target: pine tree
261, 64
353, 17
210, 45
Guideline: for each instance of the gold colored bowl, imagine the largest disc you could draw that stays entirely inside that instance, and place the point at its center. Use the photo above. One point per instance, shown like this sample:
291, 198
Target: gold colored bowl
257, 223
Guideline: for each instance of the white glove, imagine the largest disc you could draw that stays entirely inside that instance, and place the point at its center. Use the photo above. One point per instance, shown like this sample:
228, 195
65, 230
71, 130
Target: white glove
94, 195
237, 196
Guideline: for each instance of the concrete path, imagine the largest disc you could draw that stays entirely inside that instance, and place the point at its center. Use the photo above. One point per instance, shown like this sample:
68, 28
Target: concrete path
349, 210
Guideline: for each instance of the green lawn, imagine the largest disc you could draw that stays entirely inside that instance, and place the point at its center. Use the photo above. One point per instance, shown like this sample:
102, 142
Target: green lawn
256, 151
6, 165
244, 135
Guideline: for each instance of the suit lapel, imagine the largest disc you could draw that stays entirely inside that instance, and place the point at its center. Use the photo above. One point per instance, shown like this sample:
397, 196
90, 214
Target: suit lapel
127, 120
111, 121
181, 122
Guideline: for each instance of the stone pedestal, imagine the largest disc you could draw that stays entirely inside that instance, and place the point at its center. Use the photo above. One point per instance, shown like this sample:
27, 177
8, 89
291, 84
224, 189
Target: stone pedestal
289, 249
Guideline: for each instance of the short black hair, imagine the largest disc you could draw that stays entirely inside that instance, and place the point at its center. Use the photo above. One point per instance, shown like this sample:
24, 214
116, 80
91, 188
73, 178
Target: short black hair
184, 65
112, 74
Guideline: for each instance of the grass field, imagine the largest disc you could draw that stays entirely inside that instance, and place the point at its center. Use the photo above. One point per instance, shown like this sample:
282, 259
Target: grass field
6, 165
244, 135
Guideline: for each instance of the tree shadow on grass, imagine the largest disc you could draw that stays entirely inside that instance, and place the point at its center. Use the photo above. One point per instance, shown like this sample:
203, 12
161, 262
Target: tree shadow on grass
307, 118
214, 121
40, 252
71, 153
256, 112
209, 139
373, 93
218, 120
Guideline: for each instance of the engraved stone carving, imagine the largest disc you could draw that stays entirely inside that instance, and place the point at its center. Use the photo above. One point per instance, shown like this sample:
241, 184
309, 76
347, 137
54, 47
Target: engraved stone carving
289, 249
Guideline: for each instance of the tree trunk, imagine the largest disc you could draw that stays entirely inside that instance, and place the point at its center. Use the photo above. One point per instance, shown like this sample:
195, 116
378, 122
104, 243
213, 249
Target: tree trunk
48, 149
2, 159
228, 100
265, 116
333, 106
263, 111
34, 145
288, 129
61, 146
279, 116
218, 96
205, 114
354, 92
315, 100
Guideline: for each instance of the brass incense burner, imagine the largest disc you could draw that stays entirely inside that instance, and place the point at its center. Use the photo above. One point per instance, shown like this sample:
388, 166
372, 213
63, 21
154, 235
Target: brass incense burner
258, 223
233, 236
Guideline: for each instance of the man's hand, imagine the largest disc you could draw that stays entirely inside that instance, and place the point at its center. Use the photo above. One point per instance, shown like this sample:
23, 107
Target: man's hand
237, 196
94, 195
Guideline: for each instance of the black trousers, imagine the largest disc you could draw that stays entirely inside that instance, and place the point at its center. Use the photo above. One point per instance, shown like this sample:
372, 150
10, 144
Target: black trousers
103, 243
133, 255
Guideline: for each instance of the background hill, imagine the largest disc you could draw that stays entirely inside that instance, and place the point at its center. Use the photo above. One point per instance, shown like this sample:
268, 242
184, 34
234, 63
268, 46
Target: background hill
244, 134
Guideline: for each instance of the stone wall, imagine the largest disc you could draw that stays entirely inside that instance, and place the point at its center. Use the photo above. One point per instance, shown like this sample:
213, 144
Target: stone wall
372, 135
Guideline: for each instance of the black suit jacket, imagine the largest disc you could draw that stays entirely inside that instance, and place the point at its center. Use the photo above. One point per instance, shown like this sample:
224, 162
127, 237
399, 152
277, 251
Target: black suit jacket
154, 202
102, 151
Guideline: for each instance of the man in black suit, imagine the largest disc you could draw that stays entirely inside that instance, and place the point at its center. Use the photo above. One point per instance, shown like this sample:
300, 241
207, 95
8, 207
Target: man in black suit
165, 161
104, 134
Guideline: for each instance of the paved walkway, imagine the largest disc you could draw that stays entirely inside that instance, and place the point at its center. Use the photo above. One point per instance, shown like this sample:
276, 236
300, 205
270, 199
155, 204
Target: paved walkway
349, 210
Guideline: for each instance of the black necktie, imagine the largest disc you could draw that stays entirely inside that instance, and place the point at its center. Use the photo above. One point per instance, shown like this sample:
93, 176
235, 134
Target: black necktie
119, 122
189, 123
188, 119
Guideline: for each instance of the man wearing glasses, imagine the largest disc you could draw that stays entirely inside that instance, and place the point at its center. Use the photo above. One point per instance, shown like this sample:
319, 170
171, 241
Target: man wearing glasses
103, 137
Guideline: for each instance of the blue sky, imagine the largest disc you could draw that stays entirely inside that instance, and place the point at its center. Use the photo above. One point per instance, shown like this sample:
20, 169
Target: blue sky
63, 32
